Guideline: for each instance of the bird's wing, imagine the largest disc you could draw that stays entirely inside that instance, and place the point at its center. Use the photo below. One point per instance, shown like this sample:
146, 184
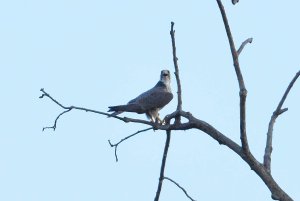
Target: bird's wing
154, 98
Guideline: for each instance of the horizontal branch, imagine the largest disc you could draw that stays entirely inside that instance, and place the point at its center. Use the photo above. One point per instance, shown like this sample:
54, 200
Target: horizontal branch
195, 123
192, 122
69, 108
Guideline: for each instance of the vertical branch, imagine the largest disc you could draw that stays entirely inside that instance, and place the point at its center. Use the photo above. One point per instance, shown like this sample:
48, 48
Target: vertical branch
276, 113
175, 59
243, 91
163, 164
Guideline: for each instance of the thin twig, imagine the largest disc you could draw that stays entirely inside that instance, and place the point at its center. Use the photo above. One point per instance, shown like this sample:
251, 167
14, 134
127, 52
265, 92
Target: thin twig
243, 91
55, 122
163, 164
54, 100
175, 61
171, 180
69, 108
276, 113
117, 144
249, 40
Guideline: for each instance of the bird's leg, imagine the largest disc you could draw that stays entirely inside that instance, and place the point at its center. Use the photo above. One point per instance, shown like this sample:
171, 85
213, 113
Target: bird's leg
158, 120
152, 119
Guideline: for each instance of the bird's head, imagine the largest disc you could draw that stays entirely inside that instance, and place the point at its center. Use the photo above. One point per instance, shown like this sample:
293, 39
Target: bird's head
165, 77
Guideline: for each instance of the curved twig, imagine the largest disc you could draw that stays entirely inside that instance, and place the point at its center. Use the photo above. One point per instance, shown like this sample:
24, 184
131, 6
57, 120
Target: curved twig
249, 40
193, 122
117, 144
55, 122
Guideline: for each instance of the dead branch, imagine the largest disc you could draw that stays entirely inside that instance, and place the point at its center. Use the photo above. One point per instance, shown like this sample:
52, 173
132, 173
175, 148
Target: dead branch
278, 111
277, 192
174, 182
126, 138
243, 90
69, 108
175, 61
55, 122
194, 123
163, 165
262, 170
249, 40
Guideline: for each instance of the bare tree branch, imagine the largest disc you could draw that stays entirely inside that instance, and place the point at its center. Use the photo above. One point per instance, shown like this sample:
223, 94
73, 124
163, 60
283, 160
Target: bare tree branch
277, 192
69, 108
249, 40
243, 90
163, 165
192, 122
276, 113
55, 122
117, 144
175, 61
167, 178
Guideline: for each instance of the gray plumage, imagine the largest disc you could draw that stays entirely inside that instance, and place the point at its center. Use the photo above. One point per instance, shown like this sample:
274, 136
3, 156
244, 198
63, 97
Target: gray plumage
149, 102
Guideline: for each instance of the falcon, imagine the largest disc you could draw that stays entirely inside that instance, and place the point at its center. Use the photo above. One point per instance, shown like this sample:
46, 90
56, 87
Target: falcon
151, 101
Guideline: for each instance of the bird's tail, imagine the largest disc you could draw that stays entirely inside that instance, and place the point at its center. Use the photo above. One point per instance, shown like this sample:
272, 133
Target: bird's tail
116, 110
124, 108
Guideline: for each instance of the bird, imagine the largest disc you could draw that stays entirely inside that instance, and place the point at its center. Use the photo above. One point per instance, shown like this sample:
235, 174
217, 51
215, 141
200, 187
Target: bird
149, 102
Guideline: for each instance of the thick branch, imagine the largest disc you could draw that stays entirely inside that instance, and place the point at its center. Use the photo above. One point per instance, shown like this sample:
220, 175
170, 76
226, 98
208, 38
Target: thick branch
126, 138
243, 90
276, 113
175, 61
174, 182
163, 164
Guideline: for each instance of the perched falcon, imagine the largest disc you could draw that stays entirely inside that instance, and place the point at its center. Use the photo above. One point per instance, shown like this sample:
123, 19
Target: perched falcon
151, 101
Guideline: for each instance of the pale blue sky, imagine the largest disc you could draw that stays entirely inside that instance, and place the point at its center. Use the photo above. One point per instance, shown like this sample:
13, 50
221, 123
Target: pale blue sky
100, 53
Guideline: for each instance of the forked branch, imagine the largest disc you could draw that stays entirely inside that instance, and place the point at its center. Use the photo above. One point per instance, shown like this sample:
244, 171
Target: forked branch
243, 90
243, 151
278, 111
126, 138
